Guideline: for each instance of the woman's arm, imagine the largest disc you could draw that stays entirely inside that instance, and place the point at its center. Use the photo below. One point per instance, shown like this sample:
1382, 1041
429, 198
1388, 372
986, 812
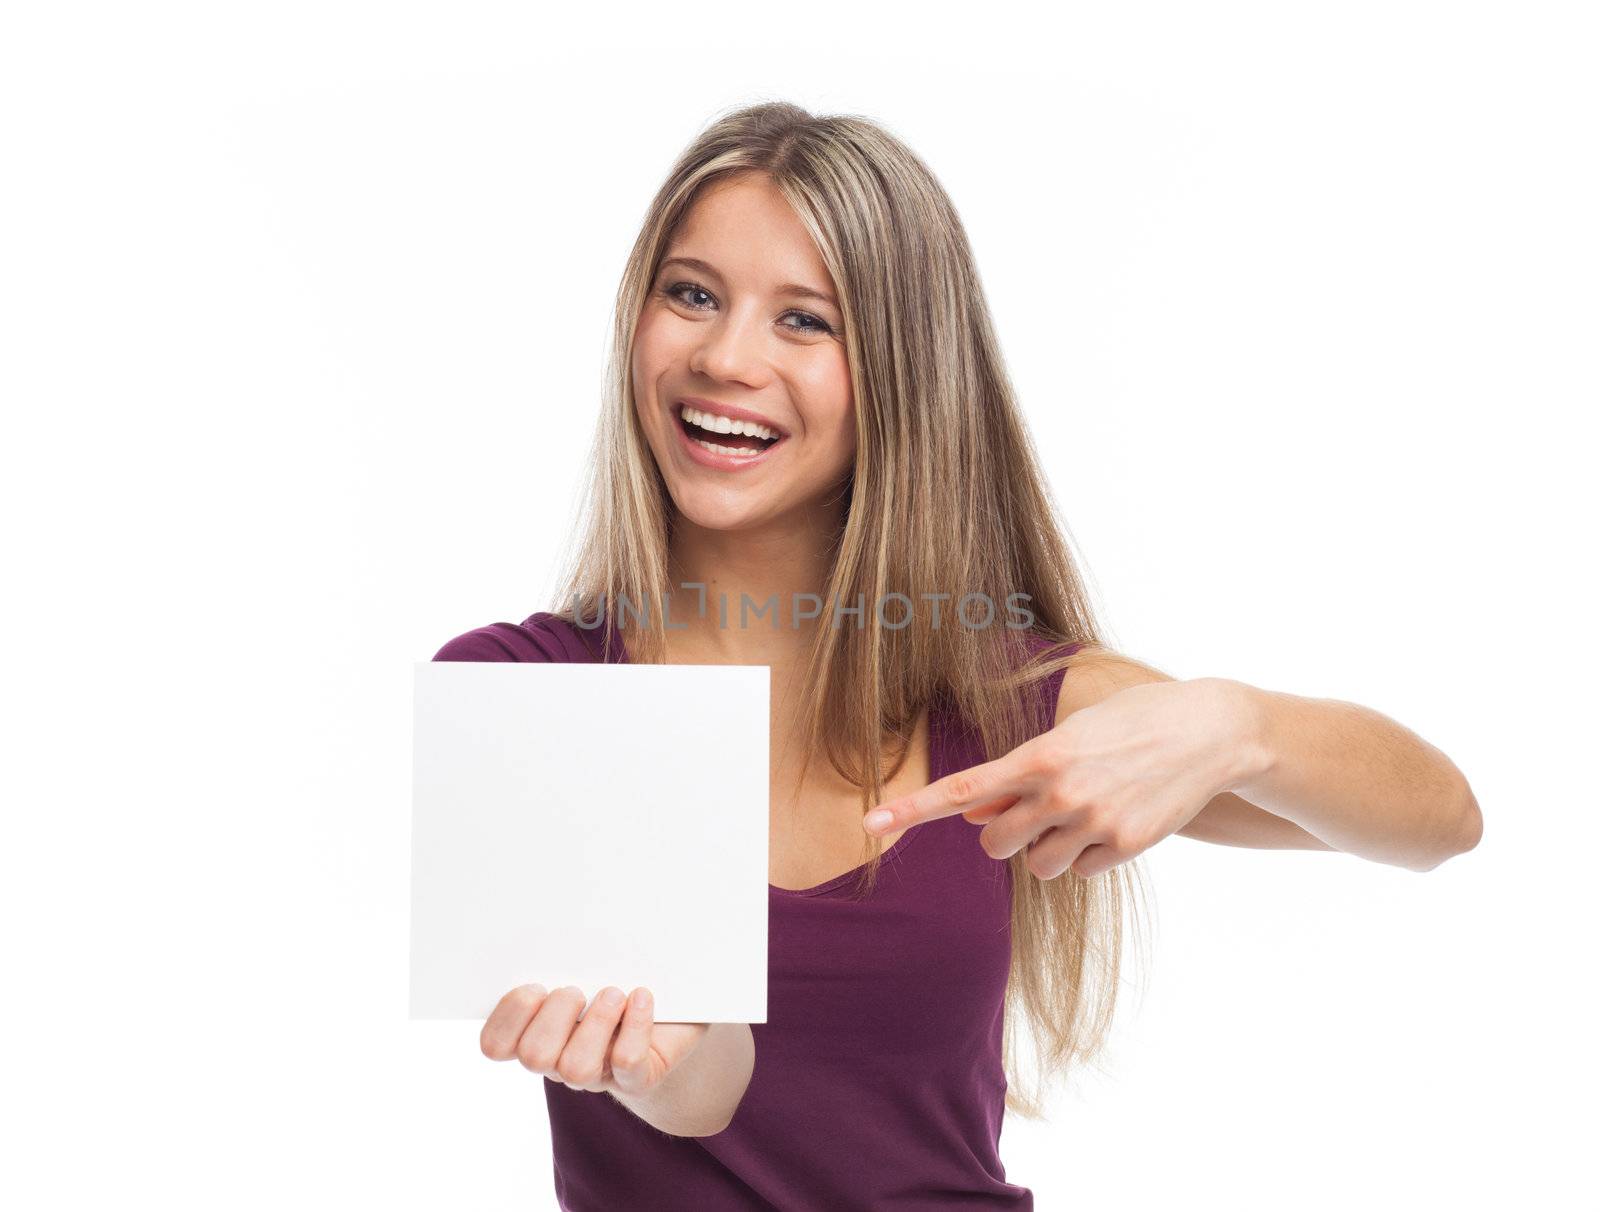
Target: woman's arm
1311, 773
1355, 778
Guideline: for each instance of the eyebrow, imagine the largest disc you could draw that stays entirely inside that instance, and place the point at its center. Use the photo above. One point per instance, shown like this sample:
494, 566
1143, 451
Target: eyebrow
788, 288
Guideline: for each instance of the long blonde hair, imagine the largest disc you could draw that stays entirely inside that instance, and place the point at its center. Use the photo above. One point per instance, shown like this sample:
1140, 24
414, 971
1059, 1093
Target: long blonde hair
946, 496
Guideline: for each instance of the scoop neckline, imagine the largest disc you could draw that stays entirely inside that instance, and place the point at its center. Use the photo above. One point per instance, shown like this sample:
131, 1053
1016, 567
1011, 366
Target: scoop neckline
619, 652
890, 855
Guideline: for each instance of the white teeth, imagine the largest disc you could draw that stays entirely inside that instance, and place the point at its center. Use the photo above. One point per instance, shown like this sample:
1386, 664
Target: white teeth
737, 451
715, 424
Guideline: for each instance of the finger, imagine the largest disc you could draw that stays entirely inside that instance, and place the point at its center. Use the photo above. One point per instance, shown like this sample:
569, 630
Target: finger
1097, 859
508, 1020
583, 1061
1053, 851
1059, 850
987, 812
630, 1054
1017, 828
541, 1044
959, 792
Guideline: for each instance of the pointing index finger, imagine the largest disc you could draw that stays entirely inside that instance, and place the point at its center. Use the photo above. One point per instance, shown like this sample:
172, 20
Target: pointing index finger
976, 787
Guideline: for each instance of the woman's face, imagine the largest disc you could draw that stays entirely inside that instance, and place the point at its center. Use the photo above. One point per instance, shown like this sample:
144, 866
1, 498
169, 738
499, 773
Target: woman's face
734, 330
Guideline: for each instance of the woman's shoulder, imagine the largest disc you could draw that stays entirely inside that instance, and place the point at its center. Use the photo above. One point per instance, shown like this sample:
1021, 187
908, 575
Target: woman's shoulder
1043, 660
1037, 651
541, 636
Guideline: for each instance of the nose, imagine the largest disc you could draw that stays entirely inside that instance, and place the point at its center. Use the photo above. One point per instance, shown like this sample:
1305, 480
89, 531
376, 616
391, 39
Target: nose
731, 348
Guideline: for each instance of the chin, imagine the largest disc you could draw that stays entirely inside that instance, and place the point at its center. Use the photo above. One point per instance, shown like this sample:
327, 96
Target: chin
722, 515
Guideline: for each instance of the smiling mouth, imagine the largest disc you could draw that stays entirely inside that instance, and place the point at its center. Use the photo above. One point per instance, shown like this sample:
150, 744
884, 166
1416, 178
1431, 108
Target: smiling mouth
740, 445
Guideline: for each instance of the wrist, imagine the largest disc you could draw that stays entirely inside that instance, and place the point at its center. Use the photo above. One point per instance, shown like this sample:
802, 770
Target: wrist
700, 1094
1245, 748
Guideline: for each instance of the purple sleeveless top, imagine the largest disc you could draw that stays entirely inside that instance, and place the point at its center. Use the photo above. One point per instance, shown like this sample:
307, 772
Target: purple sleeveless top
878, 1081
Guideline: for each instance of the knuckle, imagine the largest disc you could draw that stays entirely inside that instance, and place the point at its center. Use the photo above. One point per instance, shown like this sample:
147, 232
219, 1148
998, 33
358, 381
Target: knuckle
1041, 761
577, 1072
964, 786
1037, 766
1068, 799
537, 1057
1103, 820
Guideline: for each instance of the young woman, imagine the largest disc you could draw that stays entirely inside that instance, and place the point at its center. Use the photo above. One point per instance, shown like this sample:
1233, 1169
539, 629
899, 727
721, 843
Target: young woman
810, 458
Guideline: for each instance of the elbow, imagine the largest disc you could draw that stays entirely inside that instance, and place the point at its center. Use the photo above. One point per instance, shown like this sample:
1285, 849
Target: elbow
711, 1130
1471, 819
718, 1125
1465, 830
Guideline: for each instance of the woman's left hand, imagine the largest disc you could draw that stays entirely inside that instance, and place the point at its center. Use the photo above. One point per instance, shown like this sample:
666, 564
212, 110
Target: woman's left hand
1103, 785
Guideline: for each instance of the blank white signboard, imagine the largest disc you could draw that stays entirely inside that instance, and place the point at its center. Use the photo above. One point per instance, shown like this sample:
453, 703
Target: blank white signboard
590, 825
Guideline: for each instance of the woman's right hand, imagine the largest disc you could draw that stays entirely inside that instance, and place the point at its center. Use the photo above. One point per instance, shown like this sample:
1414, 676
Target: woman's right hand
617, 1046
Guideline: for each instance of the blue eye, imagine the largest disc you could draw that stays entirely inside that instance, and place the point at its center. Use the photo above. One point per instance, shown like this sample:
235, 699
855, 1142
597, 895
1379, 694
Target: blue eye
672, 292
821, 325
675, 292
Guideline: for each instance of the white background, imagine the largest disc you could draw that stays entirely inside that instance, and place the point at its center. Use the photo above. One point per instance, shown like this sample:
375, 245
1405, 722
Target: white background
304, 313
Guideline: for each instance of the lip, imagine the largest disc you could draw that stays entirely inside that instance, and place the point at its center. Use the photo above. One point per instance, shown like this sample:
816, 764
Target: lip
710, 458
732, 411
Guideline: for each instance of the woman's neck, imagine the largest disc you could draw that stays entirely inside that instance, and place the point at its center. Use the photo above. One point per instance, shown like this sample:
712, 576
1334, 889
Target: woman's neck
753, 581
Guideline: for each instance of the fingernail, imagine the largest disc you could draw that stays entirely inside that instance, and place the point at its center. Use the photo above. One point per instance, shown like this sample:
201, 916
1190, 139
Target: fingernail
877, 818
611, 998
640, 999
